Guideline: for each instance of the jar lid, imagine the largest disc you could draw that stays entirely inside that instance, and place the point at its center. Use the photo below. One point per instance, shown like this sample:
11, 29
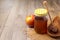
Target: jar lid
41, 12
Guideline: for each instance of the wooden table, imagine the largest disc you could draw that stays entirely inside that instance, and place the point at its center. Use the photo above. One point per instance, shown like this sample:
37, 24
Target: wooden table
12, 20
35, 36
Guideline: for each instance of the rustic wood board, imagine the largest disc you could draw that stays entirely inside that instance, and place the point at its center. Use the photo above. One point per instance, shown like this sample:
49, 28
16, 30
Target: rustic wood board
32, 35
35, 36
12, 19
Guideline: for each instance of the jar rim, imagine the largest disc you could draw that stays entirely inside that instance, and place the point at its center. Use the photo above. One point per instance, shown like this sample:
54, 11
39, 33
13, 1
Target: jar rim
40, 12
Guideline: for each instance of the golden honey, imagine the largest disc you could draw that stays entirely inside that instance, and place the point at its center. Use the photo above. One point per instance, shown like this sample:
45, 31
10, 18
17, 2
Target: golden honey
40, 22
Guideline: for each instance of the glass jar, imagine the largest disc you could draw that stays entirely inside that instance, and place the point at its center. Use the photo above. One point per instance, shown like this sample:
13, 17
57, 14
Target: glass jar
40, 22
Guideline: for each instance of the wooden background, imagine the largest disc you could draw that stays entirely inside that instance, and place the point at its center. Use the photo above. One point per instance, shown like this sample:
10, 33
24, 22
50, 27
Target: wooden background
13, 13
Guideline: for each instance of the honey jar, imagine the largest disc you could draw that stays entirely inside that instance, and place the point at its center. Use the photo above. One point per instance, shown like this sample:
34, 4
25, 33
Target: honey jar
40, 21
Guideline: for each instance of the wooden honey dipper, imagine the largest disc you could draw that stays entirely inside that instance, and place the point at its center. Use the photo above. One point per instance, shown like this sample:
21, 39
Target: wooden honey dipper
53, 28
46, 6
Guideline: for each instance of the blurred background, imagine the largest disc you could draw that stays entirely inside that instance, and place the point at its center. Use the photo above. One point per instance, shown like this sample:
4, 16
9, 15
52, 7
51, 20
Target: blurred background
13, 13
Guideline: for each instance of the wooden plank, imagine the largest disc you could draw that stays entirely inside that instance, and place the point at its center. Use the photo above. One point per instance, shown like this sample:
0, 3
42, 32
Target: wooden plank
12, 22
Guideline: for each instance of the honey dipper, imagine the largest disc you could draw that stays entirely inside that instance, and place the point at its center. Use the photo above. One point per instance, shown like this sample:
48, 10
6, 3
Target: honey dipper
53, 30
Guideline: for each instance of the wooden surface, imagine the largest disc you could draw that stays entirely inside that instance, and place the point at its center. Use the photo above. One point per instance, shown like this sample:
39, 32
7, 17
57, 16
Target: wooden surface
35, 36
12, 18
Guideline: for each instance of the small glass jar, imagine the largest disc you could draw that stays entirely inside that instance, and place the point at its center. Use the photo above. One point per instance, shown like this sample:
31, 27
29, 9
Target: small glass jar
40, 22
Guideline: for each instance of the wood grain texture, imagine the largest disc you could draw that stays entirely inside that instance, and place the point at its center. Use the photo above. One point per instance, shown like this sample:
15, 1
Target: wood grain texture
13, 14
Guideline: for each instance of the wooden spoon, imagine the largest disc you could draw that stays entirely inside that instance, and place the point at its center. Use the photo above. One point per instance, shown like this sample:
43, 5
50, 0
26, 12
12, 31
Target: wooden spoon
54, 29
